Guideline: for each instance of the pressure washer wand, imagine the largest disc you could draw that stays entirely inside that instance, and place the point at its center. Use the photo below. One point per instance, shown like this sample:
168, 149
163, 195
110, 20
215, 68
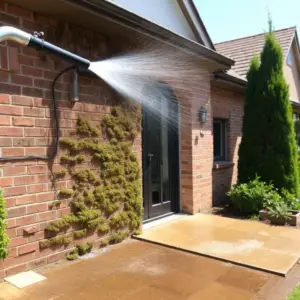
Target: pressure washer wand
36, 41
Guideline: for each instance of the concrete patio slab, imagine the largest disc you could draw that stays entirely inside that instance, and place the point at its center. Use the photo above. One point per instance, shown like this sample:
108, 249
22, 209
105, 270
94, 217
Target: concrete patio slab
139, 270
249, 243
24, 279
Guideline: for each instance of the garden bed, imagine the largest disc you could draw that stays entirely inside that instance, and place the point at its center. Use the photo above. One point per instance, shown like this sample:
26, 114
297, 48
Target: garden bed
293, 220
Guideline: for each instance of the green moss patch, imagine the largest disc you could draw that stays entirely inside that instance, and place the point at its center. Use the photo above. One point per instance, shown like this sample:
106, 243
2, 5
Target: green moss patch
84, 248
105, 198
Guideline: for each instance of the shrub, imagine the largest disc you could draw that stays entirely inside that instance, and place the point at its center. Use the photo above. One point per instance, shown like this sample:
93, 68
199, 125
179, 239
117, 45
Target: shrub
291, 200
248, 198
4, 240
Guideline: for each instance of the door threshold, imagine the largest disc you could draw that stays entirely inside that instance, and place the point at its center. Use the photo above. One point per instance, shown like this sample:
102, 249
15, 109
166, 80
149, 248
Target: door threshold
147, 224
158, 217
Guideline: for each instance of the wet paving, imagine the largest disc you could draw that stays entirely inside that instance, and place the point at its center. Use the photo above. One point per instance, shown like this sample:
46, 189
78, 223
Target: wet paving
140, 270
250, 243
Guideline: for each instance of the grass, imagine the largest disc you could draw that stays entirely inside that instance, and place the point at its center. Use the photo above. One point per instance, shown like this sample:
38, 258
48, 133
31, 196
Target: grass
295, 295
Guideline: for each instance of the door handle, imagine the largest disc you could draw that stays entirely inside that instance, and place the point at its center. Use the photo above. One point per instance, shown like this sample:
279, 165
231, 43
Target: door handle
150, 155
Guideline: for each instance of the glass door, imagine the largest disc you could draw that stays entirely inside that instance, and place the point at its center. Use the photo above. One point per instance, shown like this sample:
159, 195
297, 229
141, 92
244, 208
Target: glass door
160, 155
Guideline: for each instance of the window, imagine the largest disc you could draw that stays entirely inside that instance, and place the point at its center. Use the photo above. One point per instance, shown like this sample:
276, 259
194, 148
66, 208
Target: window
296, 117
290, 58
219, 131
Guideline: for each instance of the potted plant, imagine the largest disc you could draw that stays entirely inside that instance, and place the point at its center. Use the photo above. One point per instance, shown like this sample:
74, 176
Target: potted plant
279, 214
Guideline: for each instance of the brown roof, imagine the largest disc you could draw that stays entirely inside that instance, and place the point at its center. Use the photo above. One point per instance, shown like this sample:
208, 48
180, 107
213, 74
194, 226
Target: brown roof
243, 49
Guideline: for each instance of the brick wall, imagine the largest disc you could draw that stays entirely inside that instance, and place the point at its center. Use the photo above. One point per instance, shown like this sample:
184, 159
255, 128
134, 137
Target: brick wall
26, 120
227, 105
196, 152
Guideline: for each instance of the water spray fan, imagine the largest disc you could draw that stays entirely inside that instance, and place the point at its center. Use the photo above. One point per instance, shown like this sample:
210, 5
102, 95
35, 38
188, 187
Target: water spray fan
37, 41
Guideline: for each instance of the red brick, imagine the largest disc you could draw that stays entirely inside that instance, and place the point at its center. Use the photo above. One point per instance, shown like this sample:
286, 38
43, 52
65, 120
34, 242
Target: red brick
24, 142
22, 80
32, 209
4, 58
34, 132
32, 92
25, 199
13, 59
14, 191
44, 197
44, 84
5, 142
34, 112
37, 169
35, 151
64, 211
55, 257
18, 11
10, 202
38, 263
9, 262
10, 89
10, 223
22, 180
11, 232
44, 142
4, 120
16, 269
28, 248
32, 71
43, 178
37, 188
9, 131
20, 240
25, 60
26, 220
4, 99
13, 252
40, 235
46, 216
6, 152
9, 171
43, 122
30, 230
6, 181
4, 77
10, 110
42, 102
21, 100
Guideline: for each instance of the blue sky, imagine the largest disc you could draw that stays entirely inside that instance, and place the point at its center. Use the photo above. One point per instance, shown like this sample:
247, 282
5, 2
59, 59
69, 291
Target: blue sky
230, 19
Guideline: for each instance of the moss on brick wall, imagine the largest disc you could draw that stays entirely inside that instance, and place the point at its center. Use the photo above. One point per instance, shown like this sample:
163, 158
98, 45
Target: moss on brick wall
105, 200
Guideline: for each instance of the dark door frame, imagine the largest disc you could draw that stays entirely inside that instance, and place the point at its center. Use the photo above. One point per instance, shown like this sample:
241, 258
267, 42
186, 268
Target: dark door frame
152, 211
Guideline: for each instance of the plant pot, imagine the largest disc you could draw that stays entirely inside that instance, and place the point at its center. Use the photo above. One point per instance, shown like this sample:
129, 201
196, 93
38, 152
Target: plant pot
293, 220
264, 215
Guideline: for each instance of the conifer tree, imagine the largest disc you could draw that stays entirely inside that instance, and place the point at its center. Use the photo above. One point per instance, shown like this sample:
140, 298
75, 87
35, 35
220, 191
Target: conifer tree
268, 147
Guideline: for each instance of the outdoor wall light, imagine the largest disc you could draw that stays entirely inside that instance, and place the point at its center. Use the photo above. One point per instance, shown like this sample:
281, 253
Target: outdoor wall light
203, 115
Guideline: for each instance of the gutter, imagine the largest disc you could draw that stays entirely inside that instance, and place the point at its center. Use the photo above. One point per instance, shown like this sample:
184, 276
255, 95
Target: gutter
222, 76
117, 14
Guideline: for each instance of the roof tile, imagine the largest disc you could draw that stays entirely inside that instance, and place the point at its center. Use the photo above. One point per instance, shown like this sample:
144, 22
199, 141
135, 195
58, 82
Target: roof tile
242, 50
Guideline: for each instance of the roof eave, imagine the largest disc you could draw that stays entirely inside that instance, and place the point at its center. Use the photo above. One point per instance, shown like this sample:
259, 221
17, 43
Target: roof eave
230, 79
136, 22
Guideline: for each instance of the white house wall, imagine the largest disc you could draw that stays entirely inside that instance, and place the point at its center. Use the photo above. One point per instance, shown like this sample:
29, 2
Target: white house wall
166, 13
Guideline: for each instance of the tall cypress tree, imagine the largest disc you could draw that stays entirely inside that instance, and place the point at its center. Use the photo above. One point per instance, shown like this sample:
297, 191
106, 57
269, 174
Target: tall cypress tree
268, 147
